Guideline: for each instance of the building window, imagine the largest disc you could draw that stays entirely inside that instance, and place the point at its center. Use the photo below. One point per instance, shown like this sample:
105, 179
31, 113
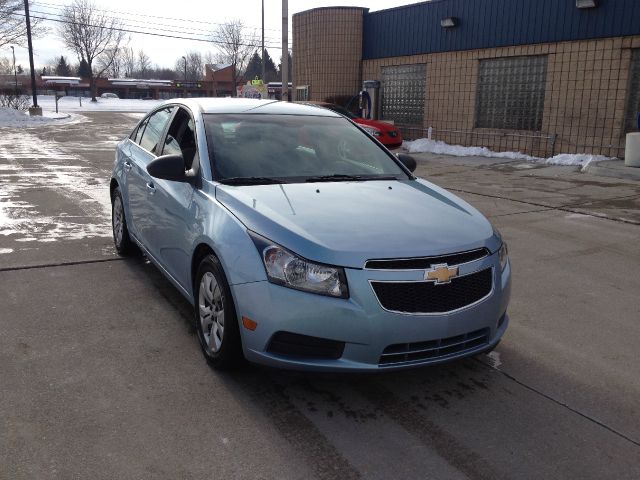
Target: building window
633, 103
511, 93
403, 92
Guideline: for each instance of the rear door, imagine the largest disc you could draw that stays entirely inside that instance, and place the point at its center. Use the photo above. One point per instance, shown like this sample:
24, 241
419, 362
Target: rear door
140, 187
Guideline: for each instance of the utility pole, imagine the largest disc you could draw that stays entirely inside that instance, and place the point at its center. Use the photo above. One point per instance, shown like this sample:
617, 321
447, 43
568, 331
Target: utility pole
35, 110
185, 76
285, 51
263, 40
15, 73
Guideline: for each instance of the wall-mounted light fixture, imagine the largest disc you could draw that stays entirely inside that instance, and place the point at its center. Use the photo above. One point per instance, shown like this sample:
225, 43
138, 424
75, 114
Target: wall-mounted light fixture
449, 22
586, 3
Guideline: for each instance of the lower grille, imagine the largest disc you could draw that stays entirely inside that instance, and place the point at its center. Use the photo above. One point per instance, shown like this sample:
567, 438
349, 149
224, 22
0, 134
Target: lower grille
296, 345
434, 349
427, 297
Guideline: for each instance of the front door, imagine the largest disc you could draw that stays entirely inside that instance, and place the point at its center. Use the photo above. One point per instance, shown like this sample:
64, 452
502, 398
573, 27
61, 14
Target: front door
173, 230
140, 185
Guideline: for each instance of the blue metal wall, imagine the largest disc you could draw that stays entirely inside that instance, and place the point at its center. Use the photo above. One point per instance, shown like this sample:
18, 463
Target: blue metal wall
416, 29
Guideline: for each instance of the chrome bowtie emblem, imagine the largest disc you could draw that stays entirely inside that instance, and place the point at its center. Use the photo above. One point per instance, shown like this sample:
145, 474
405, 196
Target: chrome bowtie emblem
441, 274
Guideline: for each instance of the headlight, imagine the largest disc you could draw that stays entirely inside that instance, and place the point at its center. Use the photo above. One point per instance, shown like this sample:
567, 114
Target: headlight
503, 254
290, 270
373, 131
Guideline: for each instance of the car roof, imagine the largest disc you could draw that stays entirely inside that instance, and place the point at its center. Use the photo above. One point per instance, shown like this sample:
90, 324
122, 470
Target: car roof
249, 105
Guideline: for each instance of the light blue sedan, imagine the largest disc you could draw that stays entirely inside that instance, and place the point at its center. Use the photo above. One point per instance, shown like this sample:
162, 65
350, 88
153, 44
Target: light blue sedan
303, 243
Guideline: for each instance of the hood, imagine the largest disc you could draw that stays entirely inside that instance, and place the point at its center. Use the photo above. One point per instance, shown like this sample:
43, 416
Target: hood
348, 223
382, 126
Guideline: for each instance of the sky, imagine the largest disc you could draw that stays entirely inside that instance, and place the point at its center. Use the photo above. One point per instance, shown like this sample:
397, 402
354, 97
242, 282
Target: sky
192, 18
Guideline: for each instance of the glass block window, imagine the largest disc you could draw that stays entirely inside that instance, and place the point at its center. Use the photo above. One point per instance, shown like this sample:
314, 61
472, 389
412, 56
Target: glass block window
403, 92
633, 102
511, 93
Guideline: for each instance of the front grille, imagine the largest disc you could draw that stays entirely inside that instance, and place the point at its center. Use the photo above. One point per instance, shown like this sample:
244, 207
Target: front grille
296, 345
426, 262
434, 349
427, 297
393, 133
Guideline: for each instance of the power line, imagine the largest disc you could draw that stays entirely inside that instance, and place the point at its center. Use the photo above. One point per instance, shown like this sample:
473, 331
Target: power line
190, 20
129, 23
215, 42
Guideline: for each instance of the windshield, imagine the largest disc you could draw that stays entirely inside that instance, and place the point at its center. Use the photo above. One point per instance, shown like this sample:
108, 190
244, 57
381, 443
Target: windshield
260, 148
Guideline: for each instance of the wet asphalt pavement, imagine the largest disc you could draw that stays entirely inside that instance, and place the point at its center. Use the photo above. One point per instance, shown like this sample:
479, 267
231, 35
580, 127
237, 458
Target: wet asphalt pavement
101, 375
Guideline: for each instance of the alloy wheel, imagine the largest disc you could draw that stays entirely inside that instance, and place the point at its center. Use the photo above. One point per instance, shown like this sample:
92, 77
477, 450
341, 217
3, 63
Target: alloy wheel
211, 312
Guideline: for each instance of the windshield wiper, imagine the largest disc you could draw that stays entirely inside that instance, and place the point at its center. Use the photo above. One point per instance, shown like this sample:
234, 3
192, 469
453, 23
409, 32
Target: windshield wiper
250, 181
346, 178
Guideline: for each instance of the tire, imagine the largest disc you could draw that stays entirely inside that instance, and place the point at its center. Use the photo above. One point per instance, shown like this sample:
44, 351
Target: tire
121, 238
215, 317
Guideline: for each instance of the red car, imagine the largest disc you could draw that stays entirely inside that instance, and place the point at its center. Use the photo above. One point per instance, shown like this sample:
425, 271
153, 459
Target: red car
384, 132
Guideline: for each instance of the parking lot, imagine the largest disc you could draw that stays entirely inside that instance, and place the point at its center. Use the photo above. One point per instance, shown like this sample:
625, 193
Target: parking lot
102, 376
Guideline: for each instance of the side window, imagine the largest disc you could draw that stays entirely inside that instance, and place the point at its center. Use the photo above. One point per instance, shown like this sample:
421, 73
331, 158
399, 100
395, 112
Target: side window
153, 131
137, 135
181, 138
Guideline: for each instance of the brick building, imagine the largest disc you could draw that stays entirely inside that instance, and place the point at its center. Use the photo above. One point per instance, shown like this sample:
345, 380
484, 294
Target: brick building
540, 76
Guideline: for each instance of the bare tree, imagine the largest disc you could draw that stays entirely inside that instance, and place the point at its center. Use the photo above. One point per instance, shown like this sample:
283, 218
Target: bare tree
113, 69
144, 64
13, 28
194, 66
235, 46
128, 62
91, 34
6, 66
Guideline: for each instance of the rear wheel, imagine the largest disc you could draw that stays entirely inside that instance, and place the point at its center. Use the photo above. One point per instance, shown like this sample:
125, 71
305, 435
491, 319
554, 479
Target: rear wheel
215, 317
121, 238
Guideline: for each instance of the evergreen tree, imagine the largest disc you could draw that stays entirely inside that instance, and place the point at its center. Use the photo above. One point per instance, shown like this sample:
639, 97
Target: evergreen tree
19, 70
289, 73
62, 69
254, 68
270, 70
83, 69
44, 71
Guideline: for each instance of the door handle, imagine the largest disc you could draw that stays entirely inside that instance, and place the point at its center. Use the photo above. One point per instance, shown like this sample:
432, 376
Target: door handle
151, 189
127, 165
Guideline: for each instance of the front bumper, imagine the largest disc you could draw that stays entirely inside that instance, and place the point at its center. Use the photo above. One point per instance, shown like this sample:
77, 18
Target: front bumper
361, 322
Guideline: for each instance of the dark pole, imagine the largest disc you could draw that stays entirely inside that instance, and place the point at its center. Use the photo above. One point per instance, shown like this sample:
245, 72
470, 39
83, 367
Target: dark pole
33, 70
15, 73
263, 40
185, 75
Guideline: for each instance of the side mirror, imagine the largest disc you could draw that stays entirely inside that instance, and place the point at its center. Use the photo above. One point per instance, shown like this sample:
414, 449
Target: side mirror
168, 167
407, 160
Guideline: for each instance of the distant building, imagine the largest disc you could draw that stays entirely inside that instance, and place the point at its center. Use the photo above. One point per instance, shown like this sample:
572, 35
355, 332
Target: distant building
217, 82
541, 76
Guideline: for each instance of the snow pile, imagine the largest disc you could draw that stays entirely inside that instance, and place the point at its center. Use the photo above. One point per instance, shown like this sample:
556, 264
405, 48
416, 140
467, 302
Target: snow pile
72, 104
424, 145
581, 159
10, 117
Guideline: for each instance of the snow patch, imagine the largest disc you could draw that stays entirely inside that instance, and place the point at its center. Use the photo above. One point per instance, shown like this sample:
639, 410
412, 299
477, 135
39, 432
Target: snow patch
10, 117
581, 159
424, 145
29, 163
494, 359
72, 104
6, 250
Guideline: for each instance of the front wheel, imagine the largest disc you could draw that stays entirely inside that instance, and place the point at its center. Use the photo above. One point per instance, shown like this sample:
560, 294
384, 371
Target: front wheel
215, 318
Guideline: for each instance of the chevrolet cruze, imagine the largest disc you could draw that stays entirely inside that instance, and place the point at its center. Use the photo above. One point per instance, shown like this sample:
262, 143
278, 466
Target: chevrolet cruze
303, 243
